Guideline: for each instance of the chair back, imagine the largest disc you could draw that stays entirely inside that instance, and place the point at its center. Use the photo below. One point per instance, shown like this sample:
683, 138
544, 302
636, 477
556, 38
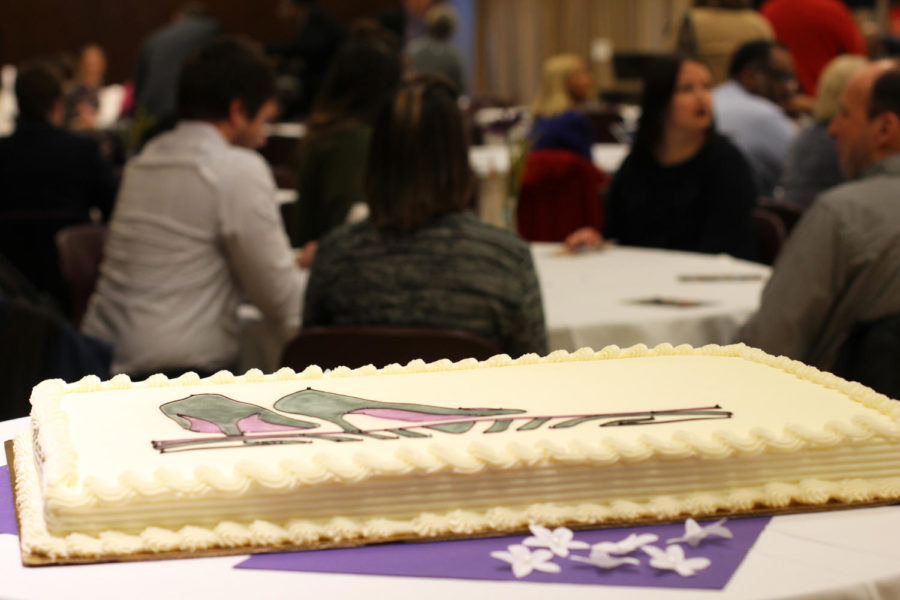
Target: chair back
27, 242
560, 192
604, 126
871, 356
331, 347
788, 212
80, 249
770, 234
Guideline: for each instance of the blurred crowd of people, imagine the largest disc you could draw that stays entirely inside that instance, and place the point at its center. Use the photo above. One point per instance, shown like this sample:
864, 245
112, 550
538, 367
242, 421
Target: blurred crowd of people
774, 106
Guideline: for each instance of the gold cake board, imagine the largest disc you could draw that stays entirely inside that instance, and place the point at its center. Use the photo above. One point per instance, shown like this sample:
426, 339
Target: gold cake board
34, 560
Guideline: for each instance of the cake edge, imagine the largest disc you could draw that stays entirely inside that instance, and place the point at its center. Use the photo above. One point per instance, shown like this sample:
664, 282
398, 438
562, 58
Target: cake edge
60, 467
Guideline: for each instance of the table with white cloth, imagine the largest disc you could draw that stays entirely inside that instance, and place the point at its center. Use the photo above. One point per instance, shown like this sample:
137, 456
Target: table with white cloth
625, 296
838, 555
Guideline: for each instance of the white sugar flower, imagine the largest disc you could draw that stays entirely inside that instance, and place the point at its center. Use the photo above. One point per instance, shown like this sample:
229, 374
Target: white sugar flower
694, 533
626, 546
560, 540
524, 561
602, 560
672, 558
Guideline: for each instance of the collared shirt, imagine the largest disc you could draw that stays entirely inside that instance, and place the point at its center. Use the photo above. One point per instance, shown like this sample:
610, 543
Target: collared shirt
841, 266
195, 230
758, 127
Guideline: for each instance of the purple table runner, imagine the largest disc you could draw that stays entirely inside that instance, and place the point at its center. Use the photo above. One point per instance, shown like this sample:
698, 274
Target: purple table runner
7, 511
470, 559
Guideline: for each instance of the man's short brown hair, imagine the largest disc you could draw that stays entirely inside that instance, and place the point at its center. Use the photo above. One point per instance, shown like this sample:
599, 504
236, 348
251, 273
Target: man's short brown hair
38, 86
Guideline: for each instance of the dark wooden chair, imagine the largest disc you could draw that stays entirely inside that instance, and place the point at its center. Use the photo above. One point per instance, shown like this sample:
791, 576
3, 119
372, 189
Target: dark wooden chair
770, 234
788, 212
330, 347
80, 249
604, 126
871, 356
27, 241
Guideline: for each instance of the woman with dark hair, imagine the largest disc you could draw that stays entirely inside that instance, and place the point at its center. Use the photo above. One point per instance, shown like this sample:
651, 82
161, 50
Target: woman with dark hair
363, 77
420, 259
683, 186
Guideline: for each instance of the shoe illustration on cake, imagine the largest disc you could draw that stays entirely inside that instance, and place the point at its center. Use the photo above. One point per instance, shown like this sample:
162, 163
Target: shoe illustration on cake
332, 407
214, 413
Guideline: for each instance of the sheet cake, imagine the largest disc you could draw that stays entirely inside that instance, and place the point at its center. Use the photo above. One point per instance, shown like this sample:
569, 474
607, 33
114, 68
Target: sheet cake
119, 469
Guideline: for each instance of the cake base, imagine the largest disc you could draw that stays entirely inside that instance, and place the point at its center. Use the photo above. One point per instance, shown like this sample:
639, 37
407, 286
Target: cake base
34, 560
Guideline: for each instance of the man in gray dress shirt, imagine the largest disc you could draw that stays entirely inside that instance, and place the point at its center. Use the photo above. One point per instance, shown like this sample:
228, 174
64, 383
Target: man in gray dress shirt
841, 265
196, 228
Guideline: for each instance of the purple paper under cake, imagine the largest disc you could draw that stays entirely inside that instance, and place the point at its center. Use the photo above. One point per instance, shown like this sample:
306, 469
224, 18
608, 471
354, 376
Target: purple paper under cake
7, 510
471, 559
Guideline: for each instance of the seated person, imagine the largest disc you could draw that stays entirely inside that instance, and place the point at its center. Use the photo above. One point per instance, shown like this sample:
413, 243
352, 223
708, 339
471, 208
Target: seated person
812, 162
840, 266
82, 99
363, 78
558, 124
712, 30
50, 178
196, 228
434, 53
419, 259
750, 108
682, 186
43, 167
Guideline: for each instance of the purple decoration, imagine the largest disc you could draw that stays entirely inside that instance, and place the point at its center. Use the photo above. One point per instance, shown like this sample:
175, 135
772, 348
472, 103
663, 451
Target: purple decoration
253, 424
202, 425
470, 559
7, 511
403, 415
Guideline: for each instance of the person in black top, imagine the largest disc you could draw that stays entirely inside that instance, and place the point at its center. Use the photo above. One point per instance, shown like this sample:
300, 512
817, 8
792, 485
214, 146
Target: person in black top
43, 167
308, 55
683, 186
50, 178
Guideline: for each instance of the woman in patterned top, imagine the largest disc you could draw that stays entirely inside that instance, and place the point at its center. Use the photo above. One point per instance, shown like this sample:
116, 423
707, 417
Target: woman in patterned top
421, 259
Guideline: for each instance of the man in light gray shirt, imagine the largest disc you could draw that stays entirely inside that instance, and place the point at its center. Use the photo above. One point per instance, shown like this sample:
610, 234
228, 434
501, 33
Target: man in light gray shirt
747, 109
841, 265
196, 228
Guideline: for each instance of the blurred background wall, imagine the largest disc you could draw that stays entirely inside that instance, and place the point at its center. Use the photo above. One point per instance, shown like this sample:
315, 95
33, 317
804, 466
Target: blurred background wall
503, 42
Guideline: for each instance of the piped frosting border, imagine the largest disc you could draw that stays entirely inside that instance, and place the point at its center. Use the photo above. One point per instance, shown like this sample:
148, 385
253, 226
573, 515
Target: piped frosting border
51, 426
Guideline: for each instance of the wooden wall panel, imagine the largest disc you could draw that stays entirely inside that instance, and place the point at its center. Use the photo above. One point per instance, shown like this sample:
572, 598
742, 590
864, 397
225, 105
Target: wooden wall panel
31, 28
514, 37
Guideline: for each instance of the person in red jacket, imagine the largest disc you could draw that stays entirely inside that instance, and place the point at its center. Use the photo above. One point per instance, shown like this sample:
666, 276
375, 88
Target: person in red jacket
815, 31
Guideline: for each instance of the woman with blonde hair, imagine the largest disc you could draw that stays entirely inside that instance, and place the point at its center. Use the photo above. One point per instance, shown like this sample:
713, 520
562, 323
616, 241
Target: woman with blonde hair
565, 86
812, 165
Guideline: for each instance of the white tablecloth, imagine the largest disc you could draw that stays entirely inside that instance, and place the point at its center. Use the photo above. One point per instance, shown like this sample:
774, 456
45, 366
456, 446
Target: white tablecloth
842, 555
588, 298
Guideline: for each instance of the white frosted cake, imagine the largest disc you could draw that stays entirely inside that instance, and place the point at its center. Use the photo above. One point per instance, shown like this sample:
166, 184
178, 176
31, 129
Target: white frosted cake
309, 460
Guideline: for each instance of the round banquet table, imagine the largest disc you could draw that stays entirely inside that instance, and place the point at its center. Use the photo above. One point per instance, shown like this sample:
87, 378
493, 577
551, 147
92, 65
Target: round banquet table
625, 296
839, 555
